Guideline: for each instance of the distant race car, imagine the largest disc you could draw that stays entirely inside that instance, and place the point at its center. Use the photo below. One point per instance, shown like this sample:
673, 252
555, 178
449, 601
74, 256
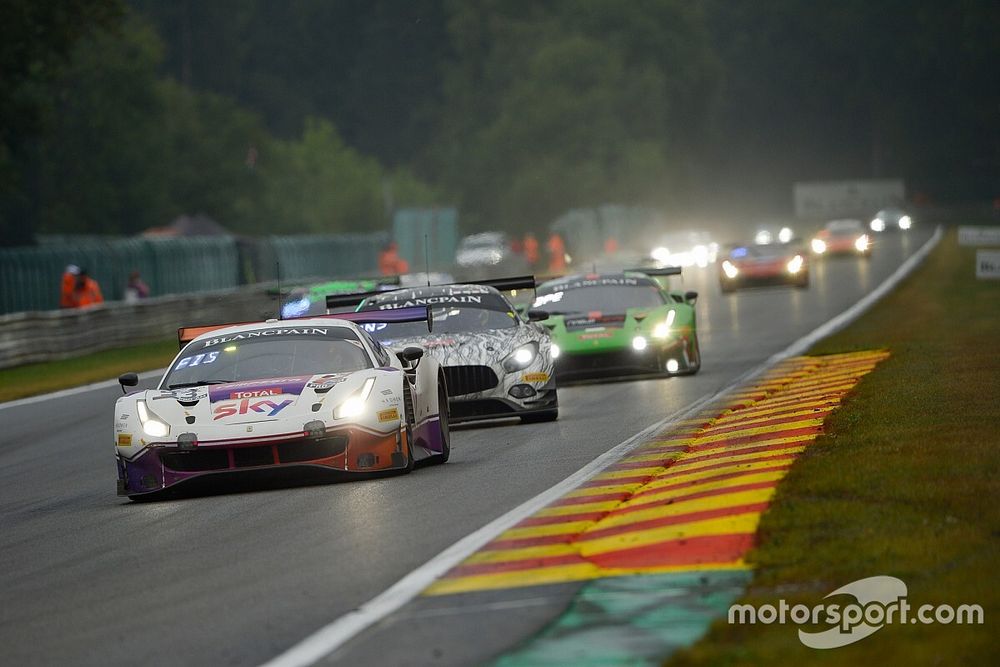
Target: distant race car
766, 235
311, 299
890, 218
315, 391
842, 237
685, 248
484, 249
497, 362
620, 323
753, 265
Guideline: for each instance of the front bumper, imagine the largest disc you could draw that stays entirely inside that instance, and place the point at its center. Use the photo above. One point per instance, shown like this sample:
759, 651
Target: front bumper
344, 449
497, 407
623, 361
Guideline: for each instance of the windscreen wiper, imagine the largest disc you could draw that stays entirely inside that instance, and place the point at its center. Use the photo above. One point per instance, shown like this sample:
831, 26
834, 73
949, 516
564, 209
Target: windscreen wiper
198, 383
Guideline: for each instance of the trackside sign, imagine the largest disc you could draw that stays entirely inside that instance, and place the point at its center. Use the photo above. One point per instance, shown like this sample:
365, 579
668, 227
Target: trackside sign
988, 264
969, 235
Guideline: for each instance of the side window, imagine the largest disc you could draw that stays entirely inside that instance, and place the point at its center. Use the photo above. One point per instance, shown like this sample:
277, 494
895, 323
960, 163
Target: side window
381, 356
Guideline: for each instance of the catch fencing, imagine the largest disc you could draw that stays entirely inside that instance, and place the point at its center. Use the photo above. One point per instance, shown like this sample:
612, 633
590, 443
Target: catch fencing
30, 276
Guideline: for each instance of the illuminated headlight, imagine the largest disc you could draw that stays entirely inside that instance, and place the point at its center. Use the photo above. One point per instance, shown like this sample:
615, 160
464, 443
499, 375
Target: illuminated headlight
662, 330
555, 351
785, 235
795, 264
672, 366
356, 403
639, 343
861, 243
521, 357
762, 237
878, 224
660, 254
905, 222
730, 269
151, 424
818, 246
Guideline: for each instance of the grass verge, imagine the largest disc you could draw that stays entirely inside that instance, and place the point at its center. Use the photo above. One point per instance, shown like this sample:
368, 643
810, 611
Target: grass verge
903, 483
32, 379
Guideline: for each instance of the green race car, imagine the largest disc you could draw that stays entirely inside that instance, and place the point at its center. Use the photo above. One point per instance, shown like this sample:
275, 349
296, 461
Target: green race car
612, 324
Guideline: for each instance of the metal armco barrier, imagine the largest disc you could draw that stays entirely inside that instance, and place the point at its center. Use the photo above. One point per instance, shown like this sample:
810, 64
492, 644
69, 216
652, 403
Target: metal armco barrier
61, 334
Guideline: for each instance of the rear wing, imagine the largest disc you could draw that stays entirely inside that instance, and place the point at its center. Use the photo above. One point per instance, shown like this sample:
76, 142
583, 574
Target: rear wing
505, 284
500, 284
665, 271
392, 316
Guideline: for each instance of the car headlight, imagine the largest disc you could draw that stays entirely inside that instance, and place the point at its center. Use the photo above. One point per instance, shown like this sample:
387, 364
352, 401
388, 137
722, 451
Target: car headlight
355, 404
555, 351
660, 254
905, 222
785, 235
151, 424
521, 357
662, 330
794, 264
818, 246
878, 224
861, 243
639, 343
730, 269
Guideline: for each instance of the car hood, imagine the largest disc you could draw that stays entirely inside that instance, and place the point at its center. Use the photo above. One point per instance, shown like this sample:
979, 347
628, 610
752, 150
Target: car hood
600, 331
469, 348
235, 408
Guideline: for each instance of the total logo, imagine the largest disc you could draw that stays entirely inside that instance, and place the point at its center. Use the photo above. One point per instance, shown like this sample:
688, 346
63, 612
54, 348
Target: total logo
265, 408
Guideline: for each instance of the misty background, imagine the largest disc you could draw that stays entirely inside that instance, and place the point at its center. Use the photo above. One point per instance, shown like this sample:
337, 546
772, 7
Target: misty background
317, 116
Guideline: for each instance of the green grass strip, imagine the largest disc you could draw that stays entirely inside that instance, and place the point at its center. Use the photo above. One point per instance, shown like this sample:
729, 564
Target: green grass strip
33, 379
903, 483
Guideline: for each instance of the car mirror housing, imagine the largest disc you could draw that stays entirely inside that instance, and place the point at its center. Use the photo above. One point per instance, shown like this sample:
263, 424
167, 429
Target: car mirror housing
690, 297
537, 315
128, 380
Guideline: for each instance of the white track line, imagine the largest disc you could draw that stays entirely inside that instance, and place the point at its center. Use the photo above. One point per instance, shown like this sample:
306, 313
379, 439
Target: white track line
104, 384
329, 638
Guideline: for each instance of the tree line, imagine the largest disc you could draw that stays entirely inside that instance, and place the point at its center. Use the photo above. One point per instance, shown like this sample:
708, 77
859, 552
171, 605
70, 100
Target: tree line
323, 116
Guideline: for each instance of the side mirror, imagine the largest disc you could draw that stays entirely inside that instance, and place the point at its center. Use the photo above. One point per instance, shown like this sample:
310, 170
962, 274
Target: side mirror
410, 354
537, 315
128, 380
690, 297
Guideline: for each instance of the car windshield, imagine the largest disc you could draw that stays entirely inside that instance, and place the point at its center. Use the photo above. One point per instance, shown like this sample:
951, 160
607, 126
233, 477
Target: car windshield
449, 320
599, 298
758, 252
261, 354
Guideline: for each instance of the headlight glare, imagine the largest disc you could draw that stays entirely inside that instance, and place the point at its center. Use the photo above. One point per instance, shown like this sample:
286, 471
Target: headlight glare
905, 222
730, 269
355, 404
639, 343
818, 246
795, 264
151, 424
878, 224
555, 351
861, 243
521, 357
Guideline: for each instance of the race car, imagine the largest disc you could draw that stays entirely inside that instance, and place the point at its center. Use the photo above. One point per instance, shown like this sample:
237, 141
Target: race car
311, 299
842, 237
497, 363
315, 391
770, 264
891, 217
612, 324
684, 249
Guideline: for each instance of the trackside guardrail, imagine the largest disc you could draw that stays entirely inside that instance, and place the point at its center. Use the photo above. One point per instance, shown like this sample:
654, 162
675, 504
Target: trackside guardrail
61, 334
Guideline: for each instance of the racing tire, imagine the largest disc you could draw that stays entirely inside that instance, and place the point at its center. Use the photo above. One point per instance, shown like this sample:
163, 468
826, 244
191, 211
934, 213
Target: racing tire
539, 417
443, 424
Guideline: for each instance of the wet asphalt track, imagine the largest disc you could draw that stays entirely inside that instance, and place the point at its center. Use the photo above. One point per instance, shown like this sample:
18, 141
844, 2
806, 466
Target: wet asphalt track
89, 578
